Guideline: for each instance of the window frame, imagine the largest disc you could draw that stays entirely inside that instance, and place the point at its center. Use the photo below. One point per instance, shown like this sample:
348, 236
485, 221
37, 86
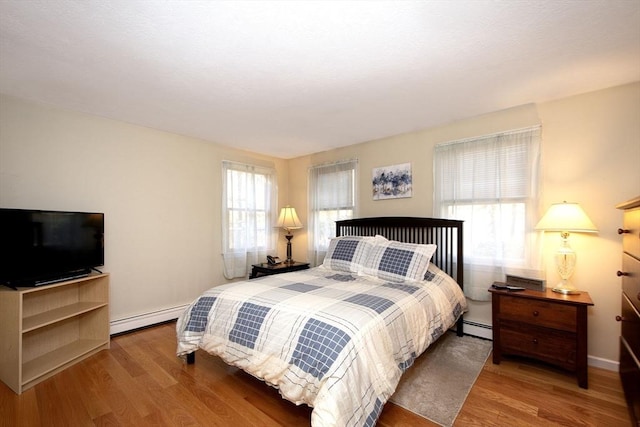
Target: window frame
483, 176
332, 212
260, 236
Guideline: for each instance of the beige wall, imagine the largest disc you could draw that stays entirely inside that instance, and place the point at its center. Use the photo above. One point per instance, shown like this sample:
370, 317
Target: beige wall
160, 193
415, 148
591, 155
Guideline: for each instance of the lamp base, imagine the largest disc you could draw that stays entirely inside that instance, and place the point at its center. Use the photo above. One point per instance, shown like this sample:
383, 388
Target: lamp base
565, 288
289, 237
565, 262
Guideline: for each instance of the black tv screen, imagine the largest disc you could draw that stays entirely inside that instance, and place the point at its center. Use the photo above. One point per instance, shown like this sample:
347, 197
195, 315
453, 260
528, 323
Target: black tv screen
39, 247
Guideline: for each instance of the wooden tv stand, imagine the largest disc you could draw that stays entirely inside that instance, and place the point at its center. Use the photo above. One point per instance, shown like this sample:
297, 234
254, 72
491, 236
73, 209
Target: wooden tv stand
45, 329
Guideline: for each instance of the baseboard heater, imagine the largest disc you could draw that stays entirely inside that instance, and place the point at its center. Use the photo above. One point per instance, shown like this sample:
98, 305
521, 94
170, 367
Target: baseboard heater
146, 319
127, 324
479, 330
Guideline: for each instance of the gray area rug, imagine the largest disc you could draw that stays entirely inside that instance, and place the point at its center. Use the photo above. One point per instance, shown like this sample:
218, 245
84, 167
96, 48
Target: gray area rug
438, 383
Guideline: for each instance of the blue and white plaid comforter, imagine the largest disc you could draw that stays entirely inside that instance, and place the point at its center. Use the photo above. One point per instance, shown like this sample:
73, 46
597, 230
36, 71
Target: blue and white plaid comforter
336, 341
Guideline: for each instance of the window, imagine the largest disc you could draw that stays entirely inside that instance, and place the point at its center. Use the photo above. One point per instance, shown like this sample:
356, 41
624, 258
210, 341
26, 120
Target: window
332, 197
491, 183
248, 209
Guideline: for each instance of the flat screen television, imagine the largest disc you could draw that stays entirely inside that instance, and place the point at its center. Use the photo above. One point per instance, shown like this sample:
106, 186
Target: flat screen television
39, 247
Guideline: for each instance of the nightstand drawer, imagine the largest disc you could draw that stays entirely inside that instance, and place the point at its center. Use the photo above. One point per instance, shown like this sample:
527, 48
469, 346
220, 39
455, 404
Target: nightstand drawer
540, 313
549, 345
542, 325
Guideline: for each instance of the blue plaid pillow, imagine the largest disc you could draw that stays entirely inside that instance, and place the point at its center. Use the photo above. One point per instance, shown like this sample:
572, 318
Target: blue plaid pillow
399, 262
348, 253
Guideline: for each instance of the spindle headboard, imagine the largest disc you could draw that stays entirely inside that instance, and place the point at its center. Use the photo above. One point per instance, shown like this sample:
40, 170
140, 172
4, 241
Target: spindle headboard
445, 233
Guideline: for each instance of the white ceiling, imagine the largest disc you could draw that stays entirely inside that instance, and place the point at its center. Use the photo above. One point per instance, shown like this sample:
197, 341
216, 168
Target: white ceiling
292, 78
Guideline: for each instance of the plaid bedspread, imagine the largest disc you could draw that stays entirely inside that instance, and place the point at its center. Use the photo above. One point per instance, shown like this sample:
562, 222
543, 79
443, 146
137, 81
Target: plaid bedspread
335, 341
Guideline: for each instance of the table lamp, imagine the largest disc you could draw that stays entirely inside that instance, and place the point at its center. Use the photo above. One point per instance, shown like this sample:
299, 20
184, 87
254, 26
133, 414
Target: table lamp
565, 218
289, 221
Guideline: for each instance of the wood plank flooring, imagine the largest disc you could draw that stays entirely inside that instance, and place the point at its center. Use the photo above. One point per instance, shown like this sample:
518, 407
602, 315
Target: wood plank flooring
140, 382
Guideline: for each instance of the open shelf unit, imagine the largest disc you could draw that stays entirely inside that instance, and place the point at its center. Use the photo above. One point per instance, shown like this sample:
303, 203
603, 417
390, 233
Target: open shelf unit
43, 330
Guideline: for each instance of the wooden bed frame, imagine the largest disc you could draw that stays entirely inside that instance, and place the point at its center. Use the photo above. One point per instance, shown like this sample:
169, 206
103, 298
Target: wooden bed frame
445, 233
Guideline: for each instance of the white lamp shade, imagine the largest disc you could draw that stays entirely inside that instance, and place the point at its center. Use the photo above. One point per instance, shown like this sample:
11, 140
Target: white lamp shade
566, 217
289, 219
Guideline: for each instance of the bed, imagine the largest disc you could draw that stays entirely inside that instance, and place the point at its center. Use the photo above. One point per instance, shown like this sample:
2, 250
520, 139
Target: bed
338, 337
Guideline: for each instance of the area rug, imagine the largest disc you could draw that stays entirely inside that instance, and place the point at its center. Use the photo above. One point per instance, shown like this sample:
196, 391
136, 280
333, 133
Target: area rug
438, 383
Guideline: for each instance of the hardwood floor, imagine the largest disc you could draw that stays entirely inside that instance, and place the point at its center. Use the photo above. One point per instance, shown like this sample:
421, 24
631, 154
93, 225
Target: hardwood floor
140, 382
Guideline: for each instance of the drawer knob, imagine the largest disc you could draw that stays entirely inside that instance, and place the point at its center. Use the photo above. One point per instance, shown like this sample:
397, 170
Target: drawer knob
621, 273
535, 340
536, 313
619, 318
623, 231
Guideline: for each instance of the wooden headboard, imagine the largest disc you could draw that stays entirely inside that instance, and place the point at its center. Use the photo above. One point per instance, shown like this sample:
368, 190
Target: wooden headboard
445, 233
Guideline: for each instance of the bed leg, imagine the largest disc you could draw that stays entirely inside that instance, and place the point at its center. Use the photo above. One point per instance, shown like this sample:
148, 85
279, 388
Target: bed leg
459, 331
191, 358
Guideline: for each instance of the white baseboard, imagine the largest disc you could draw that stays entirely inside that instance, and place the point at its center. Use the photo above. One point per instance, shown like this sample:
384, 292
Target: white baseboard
481, 330
599, 362
145, 319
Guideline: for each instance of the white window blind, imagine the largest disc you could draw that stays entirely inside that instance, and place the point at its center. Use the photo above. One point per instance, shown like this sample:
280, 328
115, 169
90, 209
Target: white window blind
332, 197
492, 183
248, 215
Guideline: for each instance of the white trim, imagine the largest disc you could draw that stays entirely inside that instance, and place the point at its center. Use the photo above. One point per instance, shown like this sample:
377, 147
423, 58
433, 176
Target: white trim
145, 319
599, 362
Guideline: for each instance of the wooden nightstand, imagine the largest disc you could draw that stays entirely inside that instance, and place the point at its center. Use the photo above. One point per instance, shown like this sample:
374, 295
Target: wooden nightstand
265, 269
546, 326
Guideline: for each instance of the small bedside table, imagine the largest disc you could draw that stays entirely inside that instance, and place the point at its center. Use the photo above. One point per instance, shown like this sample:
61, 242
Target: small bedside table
546, 326
265, 269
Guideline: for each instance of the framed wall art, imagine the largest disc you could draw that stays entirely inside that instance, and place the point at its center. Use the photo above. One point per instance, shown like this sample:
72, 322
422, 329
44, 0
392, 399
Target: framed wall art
392, 182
